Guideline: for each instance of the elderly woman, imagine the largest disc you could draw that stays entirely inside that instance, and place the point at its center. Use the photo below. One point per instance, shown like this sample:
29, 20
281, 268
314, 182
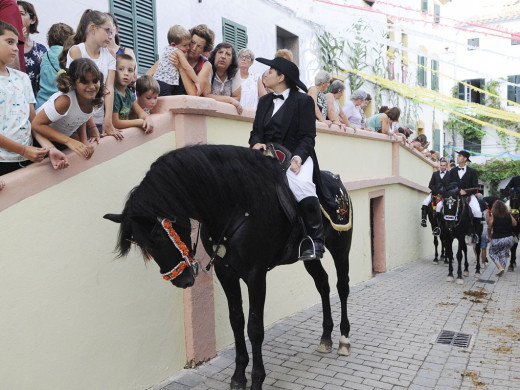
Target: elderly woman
361, 109
33, 51
334, 112
321, 81
202, 39
225, 80
383, 122
252, 86
351, 109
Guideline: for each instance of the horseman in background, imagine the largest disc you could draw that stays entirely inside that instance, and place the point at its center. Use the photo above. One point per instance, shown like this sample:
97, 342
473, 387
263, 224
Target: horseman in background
467, 180
287, 117
437, 184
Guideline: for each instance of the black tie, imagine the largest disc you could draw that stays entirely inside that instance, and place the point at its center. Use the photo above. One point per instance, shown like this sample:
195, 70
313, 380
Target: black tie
278, 97
461, 169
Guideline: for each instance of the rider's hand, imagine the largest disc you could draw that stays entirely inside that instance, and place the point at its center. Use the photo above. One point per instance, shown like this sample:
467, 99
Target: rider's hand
296, 164
462, 192
259, 146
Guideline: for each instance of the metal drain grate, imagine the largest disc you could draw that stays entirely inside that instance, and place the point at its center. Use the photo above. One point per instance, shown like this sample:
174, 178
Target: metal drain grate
485, 281
453, 338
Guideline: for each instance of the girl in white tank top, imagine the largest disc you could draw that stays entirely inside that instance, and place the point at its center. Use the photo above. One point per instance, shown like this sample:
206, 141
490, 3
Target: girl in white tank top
68, 111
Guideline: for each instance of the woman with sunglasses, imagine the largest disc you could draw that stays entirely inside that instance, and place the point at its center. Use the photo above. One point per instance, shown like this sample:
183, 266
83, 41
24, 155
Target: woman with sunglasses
33, 51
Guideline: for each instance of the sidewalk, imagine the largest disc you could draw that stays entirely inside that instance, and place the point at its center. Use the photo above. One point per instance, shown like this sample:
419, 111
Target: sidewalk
395, 320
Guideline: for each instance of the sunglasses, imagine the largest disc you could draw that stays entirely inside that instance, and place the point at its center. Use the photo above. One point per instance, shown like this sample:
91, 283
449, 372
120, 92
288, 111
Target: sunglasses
108, 30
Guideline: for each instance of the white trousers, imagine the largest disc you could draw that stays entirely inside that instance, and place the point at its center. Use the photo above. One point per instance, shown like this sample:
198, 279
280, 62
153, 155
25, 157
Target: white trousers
473, 204
301, 184
427, 201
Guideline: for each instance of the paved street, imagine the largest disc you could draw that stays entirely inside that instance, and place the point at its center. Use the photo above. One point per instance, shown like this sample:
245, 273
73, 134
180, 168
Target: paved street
396, 318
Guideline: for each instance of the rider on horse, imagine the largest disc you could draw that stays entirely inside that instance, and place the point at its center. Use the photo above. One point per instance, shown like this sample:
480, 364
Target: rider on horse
287, 117
467, 180
437, 183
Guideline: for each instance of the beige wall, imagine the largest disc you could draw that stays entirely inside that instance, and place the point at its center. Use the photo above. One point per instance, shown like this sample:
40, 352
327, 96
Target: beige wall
73, 317
73, 314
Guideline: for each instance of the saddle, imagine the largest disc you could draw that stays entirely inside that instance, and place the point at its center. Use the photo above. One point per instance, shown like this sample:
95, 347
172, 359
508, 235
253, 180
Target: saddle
336, 207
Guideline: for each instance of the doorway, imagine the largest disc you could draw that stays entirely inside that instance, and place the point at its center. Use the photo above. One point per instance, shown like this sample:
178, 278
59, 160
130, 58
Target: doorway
377, 231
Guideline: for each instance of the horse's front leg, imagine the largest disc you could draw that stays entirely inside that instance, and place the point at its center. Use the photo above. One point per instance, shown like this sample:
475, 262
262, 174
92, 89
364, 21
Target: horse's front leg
466, 264
477, 255
255, 325
321, 281
512, 262
231, 285
462, 248
449, 257
436, 244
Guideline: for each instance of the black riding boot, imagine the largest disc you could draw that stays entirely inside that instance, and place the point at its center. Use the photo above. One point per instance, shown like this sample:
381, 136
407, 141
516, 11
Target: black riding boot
424, 212
476, 229
311, 215
472, 236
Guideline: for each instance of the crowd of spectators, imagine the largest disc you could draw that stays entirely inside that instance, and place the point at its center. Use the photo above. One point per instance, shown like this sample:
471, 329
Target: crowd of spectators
85, 86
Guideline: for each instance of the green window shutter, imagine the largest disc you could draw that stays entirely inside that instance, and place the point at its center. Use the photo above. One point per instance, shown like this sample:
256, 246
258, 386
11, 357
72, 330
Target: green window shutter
424, 5
511, 90
437, 12
137, 29
517, 89
435, 76
421, 72
437, 140
234, 33
461, 91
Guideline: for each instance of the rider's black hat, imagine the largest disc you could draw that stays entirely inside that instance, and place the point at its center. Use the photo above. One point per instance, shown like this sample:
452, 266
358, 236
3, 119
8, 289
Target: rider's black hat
465, 154
288, 68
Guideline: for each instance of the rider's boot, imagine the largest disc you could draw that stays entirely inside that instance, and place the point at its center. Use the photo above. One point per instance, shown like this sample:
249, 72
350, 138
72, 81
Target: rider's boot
311, 215
472, 236
437, 217
424, 211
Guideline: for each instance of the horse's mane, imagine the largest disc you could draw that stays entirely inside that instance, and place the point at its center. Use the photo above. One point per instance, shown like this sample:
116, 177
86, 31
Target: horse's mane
205, 181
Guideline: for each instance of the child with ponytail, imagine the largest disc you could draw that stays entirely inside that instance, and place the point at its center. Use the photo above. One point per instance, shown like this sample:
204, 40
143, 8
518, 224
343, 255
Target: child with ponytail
92, 37
80, 95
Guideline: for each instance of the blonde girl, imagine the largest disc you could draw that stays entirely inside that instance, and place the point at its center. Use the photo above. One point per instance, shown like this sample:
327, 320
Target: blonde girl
91, 40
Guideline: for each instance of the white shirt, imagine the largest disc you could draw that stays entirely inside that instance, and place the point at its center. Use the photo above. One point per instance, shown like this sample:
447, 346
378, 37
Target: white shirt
279, 102
442, 174
461, 171
16, 97
69, 122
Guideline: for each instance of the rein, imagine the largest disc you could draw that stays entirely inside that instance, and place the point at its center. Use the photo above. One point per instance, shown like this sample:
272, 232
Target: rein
183, 249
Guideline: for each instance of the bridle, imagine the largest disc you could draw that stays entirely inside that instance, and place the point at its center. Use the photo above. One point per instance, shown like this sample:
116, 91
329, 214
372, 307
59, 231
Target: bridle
183, 249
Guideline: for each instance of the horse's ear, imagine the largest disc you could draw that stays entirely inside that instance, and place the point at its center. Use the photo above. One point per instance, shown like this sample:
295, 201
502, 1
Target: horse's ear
117, 218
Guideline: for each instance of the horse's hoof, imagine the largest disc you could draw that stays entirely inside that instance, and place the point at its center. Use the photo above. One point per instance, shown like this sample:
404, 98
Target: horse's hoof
237, 385
344, 346
477, 275
465, 273
510, 269
460, 281
325, 346
449, 279
435, 261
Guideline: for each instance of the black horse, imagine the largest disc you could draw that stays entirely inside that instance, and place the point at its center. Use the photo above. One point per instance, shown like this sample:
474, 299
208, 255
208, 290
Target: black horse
514, 206
232, 192
434, 223
456, 224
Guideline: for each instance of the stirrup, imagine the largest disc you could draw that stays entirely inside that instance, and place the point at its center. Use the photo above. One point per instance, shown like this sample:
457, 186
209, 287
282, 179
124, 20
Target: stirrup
308, 256
436, 231
423, 222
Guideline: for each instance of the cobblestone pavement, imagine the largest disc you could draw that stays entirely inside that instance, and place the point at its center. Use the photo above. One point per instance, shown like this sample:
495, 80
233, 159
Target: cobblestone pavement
395, 318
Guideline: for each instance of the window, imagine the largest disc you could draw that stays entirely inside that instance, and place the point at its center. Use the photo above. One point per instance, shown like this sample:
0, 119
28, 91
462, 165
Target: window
136, 20
435, 75
473, 145
513, 93
437, 12
234, 33
437, 140
424, 5
469, 94
473, 44
287, 40
421, 72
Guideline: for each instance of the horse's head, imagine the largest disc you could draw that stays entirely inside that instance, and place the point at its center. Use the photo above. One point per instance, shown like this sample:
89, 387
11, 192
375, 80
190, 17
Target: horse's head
514, 201
165, 241
451, 203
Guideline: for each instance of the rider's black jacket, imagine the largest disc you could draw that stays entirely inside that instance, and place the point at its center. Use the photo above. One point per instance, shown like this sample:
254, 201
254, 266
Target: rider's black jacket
437, 184
468, 182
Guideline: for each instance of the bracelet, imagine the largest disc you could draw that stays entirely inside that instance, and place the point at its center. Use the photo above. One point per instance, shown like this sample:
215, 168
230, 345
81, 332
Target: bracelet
23, 150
